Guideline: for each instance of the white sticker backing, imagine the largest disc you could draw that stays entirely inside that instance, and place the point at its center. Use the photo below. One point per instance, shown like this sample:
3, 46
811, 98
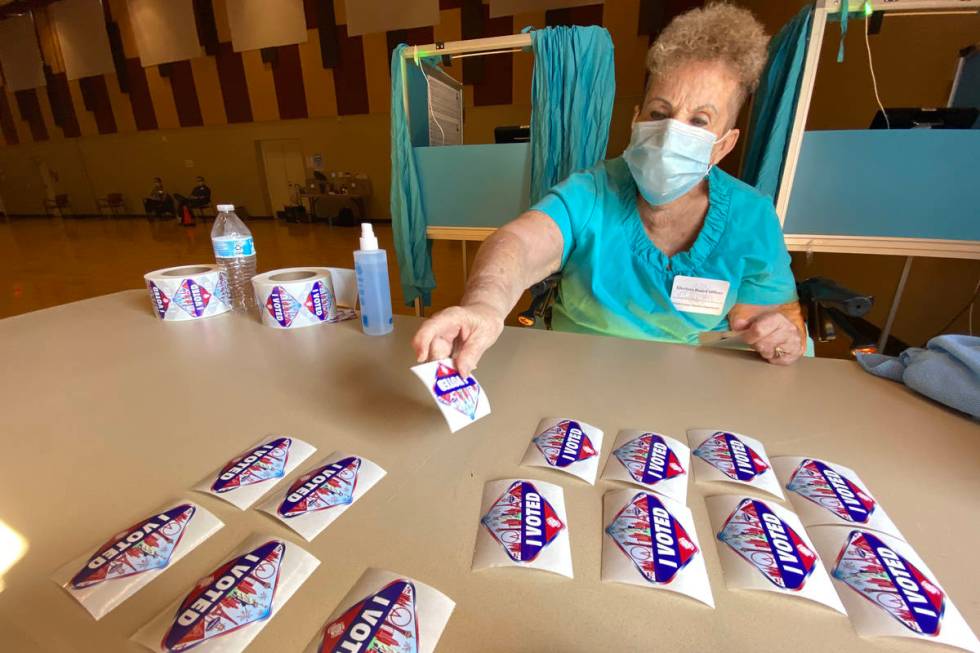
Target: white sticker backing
763, 546
888, 589
732, 457
650, 541
323, 493
827, 494
133, 557
385, 611
227, 608
246, 477
655, 462
565, 445
523, 524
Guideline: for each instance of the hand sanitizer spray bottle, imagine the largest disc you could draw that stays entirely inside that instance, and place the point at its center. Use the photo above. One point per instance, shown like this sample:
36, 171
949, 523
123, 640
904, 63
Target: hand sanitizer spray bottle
371, 265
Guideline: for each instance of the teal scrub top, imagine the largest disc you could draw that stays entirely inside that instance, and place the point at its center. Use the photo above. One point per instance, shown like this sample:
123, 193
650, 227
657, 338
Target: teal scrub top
616, 282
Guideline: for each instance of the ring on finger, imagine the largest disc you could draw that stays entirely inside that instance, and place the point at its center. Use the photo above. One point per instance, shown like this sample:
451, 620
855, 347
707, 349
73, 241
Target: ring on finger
779, 352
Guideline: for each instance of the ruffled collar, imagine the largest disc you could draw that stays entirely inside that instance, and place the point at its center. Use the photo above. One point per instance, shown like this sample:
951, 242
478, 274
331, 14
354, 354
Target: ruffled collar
715, 223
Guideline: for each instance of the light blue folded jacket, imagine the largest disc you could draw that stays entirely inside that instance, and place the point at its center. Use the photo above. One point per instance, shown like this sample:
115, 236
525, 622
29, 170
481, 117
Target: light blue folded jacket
947, 370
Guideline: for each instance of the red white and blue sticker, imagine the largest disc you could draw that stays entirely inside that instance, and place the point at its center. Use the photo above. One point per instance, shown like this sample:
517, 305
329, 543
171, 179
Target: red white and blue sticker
727, 453
320, 495
832, 490
142, 547
319, 301
650, 542
249, 475
564, 443
456, 392
461, 401
767, 548
321, 489
264, 462
282, 306
384, 622
652, 538
160, 300
568, 445
883, 576
732, 457
649, 459
230, 606
189, 292
385, 612
523, 522
237, 594
192, 298
769, 544
103, 578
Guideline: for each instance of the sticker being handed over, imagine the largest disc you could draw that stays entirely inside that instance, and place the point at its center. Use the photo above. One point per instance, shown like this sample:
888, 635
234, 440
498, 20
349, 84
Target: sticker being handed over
462, 401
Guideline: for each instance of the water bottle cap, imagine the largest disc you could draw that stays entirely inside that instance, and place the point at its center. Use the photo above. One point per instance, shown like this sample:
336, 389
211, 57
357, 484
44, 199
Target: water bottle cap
226, 208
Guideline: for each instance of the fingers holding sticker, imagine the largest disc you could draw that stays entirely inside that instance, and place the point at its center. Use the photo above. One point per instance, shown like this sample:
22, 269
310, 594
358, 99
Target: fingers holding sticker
460, 398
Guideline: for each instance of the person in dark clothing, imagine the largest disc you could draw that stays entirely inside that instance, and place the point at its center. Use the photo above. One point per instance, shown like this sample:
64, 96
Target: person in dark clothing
160, 202
199, 198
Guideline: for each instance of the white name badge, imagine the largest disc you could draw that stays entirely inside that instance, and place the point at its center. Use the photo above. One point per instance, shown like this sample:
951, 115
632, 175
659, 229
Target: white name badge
699, 295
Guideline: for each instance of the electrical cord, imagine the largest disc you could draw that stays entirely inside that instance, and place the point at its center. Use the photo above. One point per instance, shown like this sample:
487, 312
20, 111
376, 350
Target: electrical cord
972, 305
874, 80
967, 307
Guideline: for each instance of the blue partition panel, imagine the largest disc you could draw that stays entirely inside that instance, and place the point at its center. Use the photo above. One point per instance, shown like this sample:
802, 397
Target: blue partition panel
474, 185
907, 183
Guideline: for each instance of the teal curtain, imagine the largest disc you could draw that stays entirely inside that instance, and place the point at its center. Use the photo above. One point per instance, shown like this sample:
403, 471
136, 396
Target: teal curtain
412, 246
775, 104
572, 95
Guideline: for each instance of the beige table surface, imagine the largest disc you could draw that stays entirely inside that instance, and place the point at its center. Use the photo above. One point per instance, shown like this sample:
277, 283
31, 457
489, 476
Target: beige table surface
107, 413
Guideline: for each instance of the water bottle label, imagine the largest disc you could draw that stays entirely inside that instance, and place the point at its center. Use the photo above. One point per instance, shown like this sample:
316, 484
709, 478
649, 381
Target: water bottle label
233, 247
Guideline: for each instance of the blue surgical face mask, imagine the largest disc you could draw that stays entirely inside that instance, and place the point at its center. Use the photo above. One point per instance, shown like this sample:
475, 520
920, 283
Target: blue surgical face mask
667, 158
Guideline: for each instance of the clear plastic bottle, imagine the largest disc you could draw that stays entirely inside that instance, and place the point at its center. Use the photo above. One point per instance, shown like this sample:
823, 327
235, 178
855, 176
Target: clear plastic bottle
234, 252
371, 266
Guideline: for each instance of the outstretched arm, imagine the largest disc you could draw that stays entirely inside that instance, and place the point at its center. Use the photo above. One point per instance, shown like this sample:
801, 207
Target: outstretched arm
516, 256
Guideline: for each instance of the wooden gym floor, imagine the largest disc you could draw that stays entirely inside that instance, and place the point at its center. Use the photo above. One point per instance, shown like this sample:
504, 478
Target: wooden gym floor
51, 261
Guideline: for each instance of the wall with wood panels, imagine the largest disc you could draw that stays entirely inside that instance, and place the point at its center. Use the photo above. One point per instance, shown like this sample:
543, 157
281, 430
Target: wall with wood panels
332, 92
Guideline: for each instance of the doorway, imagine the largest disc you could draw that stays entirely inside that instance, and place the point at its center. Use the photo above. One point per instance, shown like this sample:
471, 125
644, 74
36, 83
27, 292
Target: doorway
282, 160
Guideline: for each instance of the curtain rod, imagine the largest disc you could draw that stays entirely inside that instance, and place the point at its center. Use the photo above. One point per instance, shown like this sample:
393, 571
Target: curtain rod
472, 46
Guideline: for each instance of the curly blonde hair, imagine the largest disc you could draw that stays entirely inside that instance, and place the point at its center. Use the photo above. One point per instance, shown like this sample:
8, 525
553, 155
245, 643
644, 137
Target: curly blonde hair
718, 32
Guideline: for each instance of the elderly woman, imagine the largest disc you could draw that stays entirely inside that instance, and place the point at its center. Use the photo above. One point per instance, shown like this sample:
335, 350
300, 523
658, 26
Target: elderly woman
659, 243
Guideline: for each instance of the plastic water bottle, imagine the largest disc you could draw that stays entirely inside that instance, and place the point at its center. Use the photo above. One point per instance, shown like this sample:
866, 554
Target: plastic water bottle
234, 252
371, 266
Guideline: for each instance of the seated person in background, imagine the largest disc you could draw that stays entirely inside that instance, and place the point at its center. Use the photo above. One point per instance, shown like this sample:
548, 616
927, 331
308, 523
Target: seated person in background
622, 232
199, 198
159, 202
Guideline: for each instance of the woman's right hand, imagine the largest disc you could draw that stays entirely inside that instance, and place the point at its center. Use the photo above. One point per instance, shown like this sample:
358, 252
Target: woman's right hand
460, 332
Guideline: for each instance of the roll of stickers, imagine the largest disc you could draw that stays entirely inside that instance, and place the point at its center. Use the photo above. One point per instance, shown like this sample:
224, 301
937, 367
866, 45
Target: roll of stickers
188, 292
295, 297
